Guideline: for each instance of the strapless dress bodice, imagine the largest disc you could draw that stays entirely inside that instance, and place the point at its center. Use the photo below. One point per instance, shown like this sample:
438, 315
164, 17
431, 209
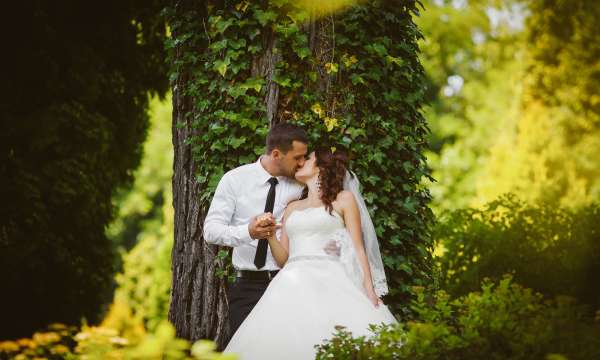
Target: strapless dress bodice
310, 229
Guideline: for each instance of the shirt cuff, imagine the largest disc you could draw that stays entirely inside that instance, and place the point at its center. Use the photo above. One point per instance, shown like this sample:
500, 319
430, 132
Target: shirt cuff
244, 234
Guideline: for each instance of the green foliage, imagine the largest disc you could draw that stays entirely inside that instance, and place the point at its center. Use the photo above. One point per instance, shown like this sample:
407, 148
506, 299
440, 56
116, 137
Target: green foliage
503, 321
68, 342
564, 59
461, 43
55, 342
551, 153
552, 250
360, 87
105, 343
73, 122
146, 220
145, 283
140, 208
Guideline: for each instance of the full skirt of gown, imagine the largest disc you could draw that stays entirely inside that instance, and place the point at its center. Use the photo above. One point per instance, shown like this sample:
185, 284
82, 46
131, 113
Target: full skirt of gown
301, 307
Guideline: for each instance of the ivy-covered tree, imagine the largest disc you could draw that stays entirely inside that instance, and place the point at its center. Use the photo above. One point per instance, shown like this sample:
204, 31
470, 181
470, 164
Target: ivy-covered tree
73, 118
352, 78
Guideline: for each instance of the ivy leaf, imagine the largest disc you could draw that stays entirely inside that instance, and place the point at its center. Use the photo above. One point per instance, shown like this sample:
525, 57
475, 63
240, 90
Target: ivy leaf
219, 24
221, 65
331, 68
394, 60
406, 268
200, 179
287, 30
253, 83
236, 44
409, 206
218, 45
302, 52
217, 145
253, 49
264, 17
356, 79
214, 180
236, 142
379, 49
282, 81
356, 132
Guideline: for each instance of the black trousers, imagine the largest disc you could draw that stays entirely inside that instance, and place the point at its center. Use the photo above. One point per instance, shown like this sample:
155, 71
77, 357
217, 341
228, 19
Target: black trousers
243, 295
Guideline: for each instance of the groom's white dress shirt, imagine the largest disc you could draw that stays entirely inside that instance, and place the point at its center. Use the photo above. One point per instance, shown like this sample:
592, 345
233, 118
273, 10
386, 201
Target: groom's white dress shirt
241, 195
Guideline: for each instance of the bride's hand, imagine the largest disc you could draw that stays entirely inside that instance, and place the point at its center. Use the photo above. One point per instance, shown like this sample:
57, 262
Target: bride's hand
375, 300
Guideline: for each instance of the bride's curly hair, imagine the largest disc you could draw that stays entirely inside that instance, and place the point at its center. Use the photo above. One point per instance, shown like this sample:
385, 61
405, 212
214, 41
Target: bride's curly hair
332, 169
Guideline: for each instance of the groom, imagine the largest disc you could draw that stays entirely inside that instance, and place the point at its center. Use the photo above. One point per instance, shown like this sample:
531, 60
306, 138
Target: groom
245, 193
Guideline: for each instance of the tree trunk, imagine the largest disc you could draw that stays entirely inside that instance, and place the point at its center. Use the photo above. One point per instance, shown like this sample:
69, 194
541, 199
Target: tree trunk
198, 306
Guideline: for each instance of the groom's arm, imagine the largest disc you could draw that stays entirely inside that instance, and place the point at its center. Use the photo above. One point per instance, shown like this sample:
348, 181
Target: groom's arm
217, 224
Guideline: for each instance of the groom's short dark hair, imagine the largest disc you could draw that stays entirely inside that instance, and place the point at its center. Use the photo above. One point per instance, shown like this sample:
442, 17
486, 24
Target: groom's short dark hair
282, 136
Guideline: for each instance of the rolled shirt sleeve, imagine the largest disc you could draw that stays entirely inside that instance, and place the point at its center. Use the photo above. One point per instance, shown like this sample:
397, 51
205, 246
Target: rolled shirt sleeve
217, 224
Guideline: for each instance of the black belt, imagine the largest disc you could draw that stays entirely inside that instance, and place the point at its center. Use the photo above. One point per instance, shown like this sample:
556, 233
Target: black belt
256, 275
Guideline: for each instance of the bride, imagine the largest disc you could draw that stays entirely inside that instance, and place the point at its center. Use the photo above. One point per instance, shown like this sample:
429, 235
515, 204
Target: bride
318, 288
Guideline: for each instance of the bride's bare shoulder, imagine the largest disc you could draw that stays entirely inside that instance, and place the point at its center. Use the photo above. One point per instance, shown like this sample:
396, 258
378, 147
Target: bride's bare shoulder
345, 197
291, 206
343, 201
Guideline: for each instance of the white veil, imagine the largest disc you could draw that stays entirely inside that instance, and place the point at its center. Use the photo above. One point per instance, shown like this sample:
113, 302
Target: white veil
347, 252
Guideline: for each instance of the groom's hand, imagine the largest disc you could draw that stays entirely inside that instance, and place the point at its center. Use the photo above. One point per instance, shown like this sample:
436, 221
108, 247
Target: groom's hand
332, 248
262, 226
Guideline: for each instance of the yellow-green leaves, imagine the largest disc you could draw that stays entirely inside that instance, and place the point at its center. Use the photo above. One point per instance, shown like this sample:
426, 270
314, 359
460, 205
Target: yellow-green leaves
317, 109
330, 123
221, 65
331, 68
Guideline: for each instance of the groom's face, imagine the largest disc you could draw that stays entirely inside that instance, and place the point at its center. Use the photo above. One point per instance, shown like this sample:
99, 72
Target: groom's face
291, 161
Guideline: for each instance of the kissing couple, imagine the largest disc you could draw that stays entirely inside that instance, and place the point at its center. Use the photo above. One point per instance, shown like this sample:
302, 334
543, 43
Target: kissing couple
305, 252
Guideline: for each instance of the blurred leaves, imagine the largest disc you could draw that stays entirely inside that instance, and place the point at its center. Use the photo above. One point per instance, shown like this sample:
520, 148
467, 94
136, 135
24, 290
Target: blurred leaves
502, 320
550, 249
513, 100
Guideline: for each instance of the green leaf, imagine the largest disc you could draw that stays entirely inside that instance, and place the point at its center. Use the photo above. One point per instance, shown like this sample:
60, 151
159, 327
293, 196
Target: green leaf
253, 83
264, 17
302, 51
221, 65
283, 81
236, 142
357, 79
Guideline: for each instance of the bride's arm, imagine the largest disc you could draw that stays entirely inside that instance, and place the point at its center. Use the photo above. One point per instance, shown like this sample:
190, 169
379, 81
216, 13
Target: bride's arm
351, 216
280, 248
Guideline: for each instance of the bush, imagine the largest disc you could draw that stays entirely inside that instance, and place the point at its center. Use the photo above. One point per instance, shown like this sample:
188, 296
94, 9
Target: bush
553, 250
503, 321
101, 342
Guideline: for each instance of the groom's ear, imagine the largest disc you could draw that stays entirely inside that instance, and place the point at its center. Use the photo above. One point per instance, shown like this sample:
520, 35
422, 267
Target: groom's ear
276, 153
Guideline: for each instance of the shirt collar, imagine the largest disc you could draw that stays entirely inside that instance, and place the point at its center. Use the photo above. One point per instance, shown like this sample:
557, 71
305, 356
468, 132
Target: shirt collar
263, 174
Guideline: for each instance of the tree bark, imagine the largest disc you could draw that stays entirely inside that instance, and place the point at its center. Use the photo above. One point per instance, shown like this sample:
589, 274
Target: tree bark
198, 306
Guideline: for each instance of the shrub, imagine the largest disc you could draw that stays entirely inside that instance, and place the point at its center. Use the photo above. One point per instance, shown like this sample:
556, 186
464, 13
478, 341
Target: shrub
553, 250
502, 321
100, 342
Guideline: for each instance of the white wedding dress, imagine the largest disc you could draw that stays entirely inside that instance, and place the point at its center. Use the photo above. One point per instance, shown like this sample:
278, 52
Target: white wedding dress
306, 300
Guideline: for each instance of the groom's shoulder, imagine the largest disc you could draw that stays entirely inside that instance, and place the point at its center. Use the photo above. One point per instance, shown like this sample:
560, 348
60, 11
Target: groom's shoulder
240, 170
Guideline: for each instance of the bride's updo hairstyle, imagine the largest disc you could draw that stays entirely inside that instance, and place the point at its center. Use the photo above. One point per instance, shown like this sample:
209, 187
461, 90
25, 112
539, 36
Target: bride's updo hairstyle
332, 169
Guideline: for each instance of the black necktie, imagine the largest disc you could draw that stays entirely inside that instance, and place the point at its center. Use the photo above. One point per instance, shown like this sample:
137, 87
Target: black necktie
261, 250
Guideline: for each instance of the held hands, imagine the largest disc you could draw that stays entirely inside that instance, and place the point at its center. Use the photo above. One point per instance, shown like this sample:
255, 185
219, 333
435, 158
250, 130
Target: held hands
262, 226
